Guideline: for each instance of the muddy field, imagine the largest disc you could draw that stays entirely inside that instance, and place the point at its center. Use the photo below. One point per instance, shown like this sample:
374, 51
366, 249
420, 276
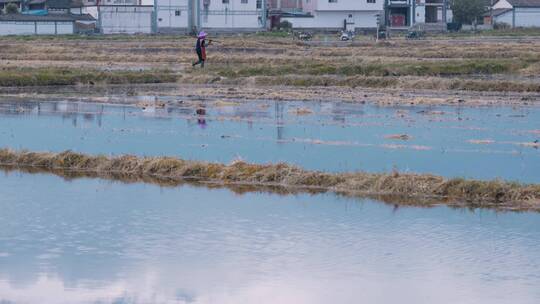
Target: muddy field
450, 71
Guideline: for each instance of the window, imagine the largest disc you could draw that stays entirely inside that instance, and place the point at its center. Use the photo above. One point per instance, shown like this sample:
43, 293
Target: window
332, 1
259, 4
225, 1
244, 1
177, 13
371, 1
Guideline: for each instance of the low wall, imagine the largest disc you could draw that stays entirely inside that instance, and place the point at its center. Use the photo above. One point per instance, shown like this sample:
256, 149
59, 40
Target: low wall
36, 27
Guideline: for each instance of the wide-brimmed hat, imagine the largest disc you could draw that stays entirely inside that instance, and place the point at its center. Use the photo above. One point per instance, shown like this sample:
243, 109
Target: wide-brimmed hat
202, 34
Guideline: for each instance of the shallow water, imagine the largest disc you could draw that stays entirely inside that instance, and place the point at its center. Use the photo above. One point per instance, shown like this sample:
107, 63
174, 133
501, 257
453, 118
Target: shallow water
474, 142
96, 241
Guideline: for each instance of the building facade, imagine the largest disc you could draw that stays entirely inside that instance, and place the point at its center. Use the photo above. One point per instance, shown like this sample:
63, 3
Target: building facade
213, 15
338, 14
517, 13
406, 13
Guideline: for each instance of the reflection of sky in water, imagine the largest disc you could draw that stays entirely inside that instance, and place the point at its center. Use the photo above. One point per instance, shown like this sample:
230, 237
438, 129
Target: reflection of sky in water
341, 137
90, 240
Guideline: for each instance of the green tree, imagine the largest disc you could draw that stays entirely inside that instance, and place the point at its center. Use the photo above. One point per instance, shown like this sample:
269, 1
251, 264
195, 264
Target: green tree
468, 11
11, 8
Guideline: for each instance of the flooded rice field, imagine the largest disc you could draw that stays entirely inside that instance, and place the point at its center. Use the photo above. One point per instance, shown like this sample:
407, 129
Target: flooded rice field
95, 241
452, 141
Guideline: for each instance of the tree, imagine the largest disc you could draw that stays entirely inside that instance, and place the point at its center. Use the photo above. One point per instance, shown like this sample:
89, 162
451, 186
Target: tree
468, 11
12, 8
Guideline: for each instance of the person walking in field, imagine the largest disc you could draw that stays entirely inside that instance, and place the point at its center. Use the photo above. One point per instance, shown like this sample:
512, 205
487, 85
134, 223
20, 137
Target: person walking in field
200, 48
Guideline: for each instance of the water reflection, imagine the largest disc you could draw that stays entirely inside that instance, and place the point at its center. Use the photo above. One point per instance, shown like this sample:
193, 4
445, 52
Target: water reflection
93, 241
482, 142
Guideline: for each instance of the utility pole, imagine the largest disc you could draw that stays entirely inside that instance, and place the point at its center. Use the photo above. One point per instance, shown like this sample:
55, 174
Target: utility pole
378, 16
445, 4
491, 14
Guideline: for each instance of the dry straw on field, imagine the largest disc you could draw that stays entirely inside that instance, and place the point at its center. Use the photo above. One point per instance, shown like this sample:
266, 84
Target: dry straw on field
498, 194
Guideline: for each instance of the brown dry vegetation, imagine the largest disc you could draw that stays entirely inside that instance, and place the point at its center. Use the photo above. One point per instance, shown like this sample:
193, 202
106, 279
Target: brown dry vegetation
496, 193
273, 61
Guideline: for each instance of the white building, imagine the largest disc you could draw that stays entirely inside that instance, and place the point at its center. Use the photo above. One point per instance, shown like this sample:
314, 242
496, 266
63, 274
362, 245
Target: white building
338, 14
175, 15
517, 13
119, 16
214, 15
405, 13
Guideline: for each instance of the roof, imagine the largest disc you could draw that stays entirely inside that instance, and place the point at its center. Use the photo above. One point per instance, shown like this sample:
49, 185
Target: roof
9, 1
500, 11
52, 17
524, 3
497, 12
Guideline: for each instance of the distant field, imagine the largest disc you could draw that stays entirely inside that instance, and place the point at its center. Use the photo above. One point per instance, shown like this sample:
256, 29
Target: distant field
494, 61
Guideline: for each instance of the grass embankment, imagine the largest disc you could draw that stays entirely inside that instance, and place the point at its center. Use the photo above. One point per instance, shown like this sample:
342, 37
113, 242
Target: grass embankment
400, 83
443, 68
496, 194
443, 75
368, 76
56, 76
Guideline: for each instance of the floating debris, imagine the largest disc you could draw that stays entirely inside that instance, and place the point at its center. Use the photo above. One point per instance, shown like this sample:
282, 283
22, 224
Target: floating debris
146, 105
534, 144
398, 136
413, 147
301, 111
481, 141
223, 103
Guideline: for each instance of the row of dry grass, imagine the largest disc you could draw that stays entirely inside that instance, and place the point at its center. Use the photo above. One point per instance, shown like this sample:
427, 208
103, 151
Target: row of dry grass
273, 61
22, 77
476, 193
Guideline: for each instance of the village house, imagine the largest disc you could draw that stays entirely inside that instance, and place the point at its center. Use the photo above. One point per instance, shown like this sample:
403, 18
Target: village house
361, 14
515, 13
337, 14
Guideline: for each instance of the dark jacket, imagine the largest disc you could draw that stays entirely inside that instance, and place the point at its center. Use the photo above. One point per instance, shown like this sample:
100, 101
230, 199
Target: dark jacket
200, 48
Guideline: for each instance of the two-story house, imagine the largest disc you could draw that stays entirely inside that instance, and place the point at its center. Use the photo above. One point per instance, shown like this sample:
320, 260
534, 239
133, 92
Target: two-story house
339, 14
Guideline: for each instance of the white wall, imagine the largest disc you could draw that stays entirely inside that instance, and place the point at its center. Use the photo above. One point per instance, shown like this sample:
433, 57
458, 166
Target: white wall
420, 14
449, 15
17, 28
334, 20
505, 18
349, 5
29, 28
527, 17
235, 14
64, 28
166, 13
125, 19
46, 28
